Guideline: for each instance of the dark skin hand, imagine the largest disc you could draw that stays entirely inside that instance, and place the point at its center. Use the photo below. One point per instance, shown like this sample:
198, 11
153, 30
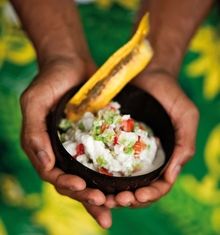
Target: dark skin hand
172, 25
64, 61
184, 116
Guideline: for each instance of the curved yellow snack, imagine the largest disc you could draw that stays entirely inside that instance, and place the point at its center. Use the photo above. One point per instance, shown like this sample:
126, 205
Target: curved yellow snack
113, 75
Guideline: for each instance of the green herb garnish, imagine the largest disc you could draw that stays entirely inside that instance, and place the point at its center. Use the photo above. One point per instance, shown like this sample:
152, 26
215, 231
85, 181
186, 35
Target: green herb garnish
65, 124
101, 161
128, 150
81, 126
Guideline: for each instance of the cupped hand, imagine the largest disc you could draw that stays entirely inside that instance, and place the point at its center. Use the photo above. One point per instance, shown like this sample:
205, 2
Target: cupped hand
52, 82
184, 116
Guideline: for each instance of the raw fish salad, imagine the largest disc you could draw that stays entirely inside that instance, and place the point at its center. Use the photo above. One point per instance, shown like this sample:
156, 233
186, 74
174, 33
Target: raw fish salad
109, 142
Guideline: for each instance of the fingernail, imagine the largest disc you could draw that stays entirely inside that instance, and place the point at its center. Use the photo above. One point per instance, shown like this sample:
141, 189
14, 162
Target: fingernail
72, 188
43, 158
76, 189
175, 172
91, 202
105, 223
128, 204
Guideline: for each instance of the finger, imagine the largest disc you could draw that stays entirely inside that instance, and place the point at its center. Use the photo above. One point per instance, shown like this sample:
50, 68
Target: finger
51, 175
175, 165
37, 148
110, 201
88, 195
125, 198
153, 192
101, 214
72, 182
92, 196
186, 129
61, 180
186, 125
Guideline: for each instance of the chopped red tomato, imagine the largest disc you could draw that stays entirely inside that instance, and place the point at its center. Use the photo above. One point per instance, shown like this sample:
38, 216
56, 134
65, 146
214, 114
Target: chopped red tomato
127, 125
104, 171
115, 141
138, 146
80, 149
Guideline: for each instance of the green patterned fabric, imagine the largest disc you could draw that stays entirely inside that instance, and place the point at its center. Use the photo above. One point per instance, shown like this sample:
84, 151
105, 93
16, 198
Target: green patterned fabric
29, 206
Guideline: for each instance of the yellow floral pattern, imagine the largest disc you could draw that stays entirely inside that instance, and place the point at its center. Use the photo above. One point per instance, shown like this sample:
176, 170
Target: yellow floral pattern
62, 215
14, 46
24, 53
2, 228
206, 44
207, 190
129, 4
13, 194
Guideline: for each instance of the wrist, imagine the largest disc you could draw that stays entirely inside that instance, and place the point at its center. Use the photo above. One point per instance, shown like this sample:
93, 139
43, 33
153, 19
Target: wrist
165, 66
64, 51
83, 67
167, 55
61, 62
50, 49
51, 59
172, 24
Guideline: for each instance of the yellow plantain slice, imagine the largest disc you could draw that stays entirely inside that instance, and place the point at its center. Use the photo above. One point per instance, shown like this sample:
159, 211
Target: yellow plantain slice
113, 75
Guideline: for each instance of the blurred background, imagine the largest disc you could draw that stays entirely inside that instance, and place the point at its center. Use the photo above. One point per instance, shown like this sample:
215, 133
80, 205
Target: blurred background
29, 206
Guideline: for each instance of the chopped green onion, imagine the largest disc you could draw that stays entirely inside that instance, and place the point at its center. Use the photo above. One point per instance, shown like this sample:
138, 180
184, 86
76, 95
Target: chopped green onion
65, 124
128, 150
108, 136
81, 126
101, 161
96, 129
99, 138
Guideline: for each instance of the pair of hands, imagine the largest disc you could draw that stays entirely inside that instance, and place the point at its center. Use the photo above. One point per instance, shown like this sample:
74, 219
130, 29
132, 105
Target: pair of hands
53, 81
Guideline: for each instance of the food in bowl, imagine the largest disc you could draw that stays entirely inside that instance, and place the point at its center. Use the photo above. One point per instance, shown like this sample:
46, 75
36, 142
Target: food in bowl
111, 143
130, 99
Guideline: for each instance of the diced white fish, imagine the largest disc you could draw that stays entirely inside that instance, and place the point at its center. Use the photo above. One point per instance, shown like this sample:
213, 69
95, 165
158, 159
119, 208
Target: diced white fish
70, 147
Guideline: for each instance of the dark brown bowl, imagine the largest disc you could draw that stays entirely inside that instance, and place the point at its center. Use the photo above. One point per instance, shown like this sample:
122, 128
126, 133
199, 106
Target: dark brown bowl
142, 107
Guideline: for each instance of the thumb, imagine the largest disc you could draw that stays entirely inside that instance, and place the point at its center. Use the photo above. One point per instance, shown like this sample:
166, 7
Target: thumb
34, 138
186, 129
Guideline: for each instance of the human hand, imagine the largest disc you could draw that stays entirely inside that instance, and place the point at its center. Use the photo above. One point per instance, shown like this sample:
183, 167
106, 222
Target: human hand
53, 81
184, 116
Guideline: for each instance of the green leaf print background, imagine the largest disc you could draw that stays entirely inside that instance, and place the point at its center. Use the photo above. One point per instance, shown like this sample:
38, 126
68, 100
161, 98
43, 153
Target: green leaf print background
29, 206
